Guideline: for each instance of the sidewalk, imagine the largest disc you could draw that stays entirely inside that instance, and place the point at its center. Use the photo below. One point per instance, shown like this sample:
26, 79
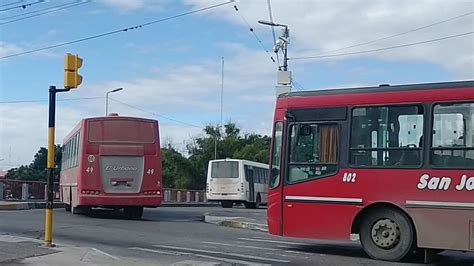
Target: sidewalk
16, 251
26, 205
250, 219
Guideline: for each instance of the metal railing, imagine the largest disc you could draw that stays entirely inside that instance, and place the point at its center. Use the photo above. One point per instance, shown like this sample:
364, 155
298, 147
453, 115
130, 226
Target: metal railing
14, 189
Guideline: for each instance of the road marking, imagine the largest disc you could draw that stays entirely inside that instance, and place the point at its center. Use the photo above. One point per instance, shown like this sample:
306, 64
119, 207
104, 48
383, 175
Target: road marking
222, 253
272, 241
240, 246
156, 251
105, 253
244, 262
239, 262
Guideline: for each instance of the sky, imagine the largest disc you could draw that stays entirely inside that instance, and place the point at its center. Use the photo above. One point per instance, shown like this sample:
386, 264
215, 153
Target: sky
171, 69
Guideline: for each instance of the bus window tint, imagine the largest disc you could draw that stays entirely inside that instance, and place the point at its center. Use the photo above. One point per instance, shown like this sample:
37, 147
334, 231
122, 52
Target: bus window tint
453, 136
313, 151
387, 136
112, 131
223, 169
276, 155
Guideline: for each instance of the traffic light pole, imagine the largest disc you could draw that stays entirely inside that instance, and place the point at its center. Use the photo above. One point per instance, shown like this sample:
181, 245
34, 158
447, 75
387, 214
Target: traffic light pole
48, 225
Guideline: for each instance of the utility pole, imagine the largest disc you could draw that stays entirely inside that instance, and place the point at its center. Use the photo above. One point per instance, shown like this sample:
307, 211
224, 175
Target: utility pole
218, 128
71, 80
283, 76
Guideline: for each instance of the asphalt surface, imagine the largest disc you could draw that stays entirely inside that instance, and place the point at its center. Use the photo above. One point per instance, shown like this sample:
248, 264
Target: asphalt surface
177, 234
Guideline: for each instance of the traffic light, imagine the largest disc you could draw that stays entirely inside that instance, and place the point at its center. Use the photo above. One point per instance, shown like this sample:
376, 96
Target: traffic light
72, 63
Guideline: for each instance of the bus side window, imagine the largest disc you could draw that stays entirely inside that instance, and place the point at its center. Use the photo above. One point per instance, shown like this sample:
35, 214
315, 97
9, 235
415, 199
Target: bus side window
386, 136
313, 151
453, 136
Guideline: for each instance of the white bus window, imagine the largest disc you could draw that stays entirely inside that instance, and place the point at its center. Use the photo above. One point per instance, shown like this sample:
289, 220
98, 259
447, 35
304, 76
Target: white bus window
453, 136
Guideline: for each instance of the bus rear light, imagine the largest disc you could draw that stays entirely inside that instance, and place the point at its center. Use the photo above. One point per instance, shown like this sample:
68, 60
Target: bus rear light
152, 192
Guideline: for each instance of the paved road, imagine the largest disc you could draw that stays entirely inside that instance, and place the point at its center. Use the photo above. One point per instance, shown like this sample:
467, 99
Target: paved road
170, 235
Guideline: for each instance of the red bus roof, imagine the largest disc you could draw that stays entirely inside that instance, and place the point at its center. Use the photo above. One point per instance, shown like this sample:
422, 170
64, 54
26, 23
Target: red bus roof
383, 94
102, 118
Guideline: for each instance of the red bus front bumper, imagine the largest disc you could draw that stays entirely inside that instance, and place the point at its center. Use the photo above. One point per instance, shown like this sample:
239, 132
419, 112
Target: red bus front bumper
107, 200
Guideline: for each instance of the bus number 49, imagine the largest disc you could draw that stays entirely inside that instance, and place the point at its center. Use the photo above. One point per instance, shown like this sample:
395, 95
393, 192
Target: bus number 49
349, 177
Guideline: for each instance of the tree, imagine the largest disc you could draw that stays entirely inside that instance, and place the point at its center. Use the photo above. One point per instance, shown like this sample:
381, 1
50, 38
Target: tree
230, 144
36, 171
175, 169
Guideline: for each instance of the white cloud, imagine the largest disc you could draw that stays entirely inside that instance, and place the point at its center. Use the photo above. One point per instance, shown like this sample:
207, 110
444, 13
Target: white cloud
133, 5
7, 49
317, 27
189, 93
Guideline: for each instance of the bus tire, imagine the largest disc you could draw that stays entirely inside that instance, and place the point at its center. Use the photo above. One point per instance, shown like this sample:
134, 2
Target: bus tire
227, 204
133, 213
80, 209
387, 234
257, 203
67, 207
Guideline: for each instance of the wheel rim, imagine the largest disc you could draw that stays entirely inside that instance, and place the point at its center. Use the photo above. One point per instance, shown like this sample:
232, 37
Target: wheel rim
385, 233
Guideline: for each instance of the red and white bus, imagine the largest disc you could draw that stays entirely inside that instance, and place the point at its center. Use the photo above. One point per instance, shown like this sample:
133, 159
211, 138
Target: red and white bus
390, 165
112, 162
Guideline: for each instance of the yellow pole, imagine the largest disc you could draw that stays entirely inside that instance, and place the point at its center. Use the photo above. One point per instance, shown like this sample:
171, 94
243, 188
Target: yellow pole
48, 221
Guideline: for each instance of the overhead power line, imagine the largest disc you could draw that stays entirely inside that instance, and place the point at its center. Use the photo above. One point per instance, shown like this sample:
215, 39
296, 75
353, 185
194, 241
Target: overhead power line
43, 11
155, 114
381, 49
41, 101
251, 30
22, 6
270, 15
119, 30
12, 3
402, 33
259, 40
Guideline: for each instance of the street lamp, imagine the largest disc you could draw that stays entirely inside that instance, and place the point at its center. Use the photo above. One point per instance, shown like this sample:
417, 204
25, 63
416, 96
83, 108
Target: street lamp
107, 99
282, 42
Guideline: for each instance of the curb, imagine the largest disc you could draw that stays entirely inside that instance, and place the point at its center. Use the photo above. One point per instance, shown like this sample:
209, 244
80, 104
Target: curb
184, 204
234, 223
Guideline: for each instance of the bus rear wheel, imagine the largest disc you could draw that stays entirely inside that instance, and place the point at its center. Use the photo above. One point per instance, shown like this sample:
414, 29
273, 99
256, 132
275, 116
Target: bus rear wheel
227, 204
133, 213
387, 234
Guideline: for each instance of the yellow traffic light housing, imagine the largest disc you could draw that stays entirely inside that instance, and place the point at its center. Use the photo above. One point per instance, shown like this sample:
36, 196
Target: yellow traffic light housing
72, 63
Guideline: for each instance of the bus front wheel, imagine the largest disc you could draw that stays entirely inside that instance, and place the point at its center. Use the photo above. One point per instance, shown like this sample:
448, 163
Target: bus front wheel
387, 234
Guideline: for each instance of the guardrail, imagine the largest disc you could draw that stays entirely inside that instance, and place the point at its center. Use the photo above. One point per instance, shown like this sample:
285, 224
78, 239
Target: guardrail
12, 189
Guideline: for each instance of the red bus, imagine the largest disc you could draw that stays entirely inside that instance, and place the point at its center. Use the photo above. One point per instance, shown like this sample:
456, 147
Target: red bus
112, 162
392, 166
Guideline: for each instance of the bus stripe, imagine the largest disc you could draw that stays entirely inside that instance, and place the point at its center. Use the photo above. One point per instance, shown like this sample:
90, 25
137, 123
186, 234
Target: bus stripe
439, 204
324, 199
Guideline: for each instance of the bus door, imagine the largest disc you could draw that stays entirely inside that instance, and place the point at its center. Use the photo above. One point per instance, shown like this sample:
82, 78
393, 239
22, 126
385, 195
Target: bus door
250, 179
310, 178
275, 187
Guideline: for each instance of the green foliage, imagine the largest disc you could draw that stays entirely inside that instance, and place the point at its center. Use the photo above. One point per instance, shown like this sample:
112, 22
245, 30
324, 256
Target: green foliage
175, 169
229, 144
36, 171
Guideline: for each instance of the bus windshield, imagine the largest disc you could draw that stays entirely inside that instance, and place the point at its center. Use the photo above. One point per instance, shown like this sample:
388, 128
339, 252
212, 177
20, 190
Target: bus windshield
121, 130
225, 169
